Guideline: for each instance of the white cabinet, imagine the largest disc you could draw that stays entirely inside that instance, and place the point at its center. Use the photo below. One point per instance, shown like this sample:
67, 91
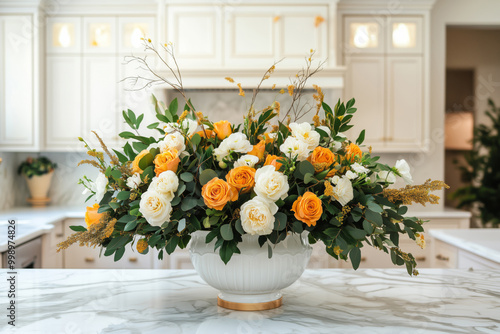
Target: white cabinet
18, 104
386, 70
64, 122
99, 35
64, 35
365, 80
195, 32
50, 257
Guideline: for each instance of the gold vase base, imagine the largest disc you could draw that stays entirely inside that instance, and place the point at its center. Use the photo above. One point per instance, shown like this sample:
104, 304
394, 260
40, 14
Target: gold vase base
250, 306
38, 202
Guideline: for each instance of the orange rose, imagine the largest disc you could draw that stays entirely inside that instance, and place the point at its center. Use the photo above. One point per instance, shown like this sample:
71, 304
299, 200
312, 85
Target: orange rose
242, 178
135, 163
308, 208
352, 151
91, 216
222, 129
258, 150
266, 137
168, 160
210, 133
216, 193
273, 160
321, 158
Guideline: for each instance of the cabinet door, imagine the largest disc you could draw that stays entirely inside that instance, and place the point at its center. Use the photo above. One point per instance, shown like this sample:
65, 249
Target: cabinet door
64, 122
301, 29
100, 98
195, 32
251, 37
364, 35
365, 79
404, 103
17, 111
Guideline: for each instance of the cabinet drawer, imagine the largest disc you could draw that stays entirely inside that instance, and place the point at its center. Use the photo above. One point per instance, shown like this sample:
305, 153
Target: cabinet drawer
444, 255
468, 260
77, 257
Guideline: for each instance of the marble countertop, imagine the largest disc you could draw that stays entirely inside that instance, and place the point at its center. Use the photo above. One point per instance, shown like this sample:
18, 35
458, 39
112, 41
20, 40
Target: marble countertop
322, 301
479, 241
33, 222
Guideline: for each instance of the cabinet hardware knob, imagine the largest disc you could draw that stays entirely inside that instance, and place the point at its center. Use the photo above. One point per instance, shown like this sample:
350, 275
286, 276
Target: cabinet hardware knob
89, 259
132, 259
420, 258
59, 235
442, 258
363, 259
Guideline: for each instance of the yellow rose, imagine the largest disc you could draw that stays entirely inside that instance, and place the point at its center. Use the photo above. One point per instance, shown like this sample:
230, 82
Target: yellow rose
321, 158
352, 151
258, 150
273, 161
91, 216
222, 129
308, 208
216, 193
135, 163
168, 160
242, 178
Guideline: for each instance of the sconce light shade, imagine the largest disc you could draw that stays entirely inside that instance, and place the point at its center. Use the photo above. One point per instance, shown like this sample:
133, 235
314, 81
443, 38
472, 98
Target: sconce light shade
364, 35
404, 35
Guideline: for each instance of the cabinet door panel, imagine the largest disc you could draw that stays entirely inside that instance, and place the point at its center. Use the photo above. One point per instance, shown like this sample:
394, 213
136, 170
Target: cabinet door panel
16, 83
100, 98
365, 82
405, 35
64, 35
303, 29
64, 122
99, 35
364, 34
250, 37
404, 102
195, 33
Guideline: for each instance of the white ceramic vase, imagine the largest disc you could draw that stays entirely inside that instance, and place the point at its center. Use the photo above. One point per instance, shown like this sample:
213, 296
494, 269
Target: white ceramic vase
251, 280
38, 186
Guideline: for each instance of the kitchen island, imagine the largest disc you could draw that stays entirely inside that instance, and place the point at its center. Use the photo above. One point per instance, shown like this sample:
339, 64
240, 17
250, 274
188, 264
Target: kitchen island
322, 301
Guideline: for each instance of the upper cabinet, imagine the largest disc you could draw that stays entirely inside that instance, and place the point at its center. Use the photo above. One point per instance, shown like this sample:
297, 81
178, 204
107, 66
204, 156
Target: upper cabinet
250, 36
387, 60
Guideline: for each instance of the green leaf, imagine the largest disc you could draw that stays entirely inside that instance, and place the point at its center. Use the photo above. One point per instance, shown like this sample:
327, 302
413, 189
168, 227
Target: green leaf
239, 227
181, 225
153, 125
123, 195
375, 207
172, 244
119, 253
280, 221
373, 217
116, 174
175, 201
355, 256
139, 121
189, 203
130, 225
187, 177
308, 178
126, 135
196, 139
78, 228
402, 210
306, 167
172, 108
206, 176
269, 251
127, 218
368, 227
146, 161
357, 234
361, 138
121, 157
226, 231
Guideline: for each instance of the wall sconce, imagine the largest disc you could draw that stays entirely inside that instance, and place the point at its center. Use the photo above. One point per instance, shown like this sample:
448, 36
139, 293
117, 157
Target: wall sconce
100, 35
62, 35
133, 35
403, 35
459, 130
364, 35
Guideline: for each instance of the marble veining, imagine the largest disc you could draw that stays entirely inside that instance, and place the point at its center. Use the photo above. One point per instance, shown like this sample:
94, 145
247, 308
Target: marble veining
321, 301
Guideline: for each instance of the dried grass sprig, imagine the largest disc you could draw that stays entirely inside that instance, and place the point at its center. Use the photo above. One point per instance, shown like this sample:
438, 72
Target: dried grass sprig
94, 236
416, 194
93, 163
112, 157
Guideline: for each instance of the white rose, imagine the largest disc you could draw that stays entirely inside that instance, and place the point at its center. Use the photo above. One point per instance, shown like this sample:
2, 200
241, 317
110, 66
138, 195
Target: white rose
257, 216
134, 181
171, 127
335, 146
404, 169
238, 142
100, 186
222, 151
294, 147
153, 145
306, 134
343, 191
325, 129
166, 184
351, 175
335, 179
246, 160
174, 140
270, 184
189, 126
359, 168
155, 208
386, 176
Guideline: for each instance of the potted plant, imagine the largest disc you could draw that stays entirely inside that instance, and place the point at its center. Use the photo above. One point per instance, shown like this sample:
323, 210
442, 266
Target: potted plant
38, 173
249, 197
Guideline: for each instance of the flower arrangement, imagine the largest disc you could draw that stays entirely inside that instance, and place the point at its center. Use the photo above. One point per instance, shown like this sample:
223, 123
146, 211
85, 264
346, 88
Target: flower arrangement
269, 176
36, 166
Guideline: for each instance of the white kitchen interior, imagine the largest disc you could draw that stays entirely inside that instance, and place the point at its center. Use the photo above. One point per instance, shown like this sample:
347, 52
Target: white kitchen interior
63, 67
421, 72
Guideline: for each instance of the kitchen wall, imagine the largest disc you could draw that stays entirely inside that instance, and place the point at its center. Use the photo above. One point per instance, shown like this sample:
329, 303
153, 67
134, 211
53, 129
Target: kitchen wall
9, 180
